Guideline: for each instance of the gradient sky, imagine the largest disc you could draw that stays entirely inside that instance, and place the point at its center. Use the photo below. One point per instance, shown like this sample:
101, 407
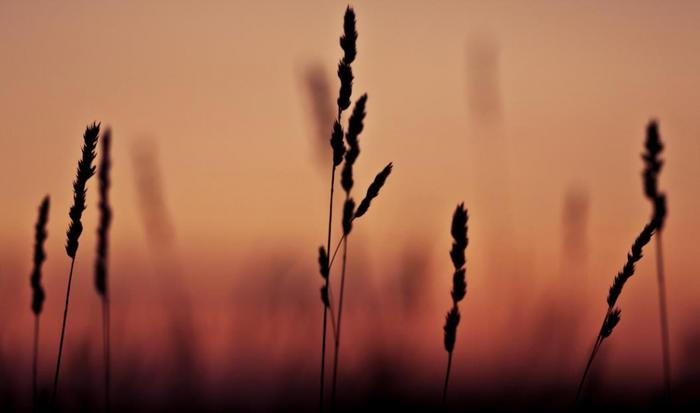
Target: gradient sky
505, 105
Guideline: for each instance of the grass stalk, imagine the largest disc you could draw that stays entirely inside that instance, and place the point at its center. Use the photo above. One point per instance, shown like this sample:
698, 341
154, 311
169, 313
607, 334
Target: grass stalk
38, 294
101, 270
35, 363
663, 315
652, 169
338, 325
458, 231
84, 172
612, 314
325, 291
447, 377
348, 44
54, 393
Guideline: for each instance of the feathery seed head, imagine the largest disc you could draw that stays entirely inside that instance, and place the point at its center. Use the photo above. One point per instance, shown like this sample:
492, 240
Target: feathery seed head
450, 328
652, 162
610, 322
84, 172
348, 41
659, 211
345, 93
40, 236
324, 296
348, 213
355, 127
459, 235
652, 168
105, 215
323, 262
346, 180
632, 257
459, 285
337, 143
373, 190
459, 280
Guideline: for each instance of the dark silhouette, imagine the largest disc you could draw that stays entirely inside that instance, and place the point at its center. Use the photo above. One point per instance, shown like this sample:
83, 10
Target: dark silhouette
652, 169
101, 280
85, 171
355, 126
612, 314
347, 43
38, 294
372, 192
459, 285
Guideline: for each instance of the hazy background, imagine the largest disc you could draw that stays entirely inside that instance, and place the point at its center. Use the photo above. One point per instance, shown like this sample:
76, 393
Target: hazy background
532, 113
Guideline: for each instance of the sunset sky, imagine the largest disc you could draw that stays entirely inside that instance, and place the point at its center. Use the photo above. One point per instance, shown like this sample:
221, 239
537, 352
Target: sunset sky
512, 107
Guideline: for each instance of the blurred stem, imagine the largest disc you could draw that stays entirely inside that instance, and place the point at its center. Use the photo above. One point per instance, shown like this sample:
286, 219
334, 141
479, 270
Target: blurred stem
35, 362
340, 318
663, 315
106, 349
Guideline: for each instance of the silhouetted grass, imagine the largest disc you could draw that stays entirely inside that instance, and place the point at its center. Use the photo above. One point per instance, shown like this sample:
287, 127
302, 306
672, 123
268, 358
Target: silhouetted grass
355, 126
612, 314
38, 294
347, 43
652, 169
101, 272
85, 171
459, 285
372, 192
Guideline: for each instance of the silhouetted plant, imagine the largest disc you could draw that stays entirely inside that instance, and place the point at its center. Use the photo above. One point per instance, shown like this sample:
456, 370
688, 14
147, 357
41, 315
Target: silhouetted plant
372, 192
38, 294
459, 285
85, 171
652, 169
101, 279
612, 314
347, 43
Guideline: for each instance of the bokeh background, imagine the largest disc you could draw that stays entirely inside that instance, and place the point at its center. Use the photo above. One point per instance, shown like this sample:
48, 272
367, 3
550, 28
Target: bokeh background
532, 113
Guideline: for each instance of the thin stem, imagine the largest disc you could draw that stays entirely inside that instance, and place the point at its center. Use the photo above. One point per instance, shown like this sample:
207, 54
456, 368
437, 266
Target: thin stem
335, 251
35, 362
63, 333
330, 310
325, 307
106, 349
663, 315
340, 318
447, 378
596, 347
323, 356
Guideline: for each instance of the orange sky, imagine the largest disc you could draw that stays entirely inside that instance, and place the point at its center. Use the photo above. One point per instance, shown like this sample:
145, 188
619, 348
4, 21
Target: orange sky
217, 89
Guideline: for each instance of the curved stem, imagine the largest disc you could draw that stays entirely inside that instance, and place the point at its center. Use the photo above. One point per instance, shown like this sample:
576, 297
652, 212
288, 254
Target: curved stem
335, 251
340, 318
327, 286
63, 333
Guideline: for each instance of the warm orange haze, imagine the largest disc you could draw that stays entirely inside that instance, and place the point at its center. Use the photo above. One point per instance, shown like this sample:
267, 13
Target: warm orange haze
534, 114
